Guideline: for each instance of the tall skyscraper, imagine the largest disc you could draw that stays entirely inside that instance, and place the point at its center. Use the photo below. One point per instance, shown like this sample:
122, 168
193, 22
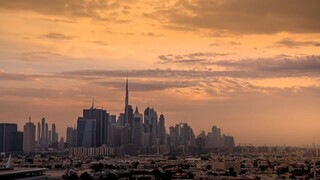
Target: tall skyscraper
150, 125
54, 134
39, 133
101, 118
161, 130
216, 137
86, 136
47, 135
10, 139
137, 128
71, 136
43, 127
126, 108
29, 137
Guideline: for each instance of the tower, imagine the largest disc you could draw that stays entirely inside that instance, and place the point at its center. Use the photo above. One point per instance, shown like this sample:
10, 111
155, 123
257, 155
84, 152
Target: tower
29, 137
126, 110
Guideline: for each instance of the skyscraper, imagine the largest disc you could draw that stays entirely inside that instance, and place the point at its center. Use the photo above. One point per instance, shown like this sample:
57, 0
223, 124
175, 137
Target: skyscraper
126, 110
137, 128
43, 139
54, 134
38, 133
150, 125
86, 136
101, 118
29, 137
47, 135
161, 130
8, 135
71, 136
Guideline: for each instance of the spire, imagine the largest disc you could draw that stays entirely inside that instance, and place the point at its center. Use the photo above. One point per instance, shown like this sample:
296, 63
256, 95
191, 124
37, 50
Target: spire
92, 104
126, 102
136, 111
29, 119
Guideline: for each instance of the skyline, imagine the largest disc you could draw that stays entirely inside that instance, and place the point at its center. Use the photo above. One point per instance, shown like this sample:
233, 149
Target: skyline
255, 76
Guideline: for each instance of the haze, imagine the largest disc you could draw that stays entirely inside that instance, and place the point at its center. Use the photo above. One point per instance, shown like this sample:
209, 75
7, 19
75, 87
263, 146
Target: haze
250, 67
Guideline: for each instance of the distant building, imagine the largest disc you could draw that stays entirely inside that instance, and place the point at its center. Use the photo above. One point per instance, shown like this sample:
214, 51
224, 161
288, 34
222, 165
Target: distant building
38, 133
86, 136
54, 134
71, 137
150, 125
10, 139
102, 123
137, 128
162, 130
228, 142
29, 137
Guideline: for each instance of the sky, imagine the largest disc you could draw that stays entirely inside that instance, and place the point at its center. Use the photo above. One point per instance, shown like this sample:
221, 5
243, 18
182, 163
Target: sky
250, 67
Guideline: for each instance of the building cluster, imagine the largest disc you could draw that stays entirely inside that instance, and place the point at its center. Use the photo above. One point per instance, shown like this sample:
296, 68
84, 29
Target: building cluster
98, 132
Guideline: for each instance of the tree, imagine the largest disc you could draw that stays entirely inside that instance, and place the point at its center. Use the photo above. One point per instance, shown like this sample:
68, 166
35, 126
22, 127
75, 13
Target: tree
85, 176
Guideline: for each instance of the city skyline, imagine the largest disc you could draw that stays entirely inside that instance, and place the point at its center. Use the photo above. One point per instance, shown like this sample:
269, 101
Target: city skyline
250, 67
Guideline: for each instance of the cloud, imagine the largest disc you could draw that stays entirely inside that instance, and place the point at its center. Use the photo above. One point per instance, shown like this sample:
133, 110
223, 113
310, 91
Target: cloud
277, 67
190, 59
103, 43
151, 34
148, 85
288, 42
68, 8
57, 36
284, 66
245, 16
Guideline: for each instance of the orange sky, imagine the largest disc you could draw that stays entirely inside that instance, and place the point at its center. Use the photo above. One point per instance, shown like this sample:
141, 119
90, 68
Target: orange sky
250, 67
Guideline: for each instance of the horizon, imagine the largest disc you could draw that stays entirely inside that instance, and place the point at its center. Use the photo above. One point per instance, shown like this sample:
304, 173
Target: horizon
250, 67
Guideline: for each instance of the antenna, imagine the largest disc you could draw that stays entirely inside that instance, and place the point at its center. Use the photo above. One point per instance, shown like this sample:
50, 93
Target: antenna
29, 119
92, 103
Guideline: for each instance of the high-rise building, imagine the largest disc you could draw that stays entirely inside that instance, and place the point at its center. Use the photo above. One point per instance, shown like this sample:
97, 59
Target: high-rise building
113, 119
137, 128
54, 134
71, 137
102, 122
228, 141
182, 136
150, 125
50, 137
10, 139
86, 136
47, 135
43, 130
29, 137
162, 130
38, 133
216, 137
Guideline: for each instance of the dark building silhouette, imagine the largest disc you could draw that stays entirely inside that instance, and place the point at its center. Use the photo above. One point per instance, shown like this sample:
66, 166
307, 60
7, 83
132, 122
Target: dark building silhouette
10, 139
86, 132
102, 123
162, 130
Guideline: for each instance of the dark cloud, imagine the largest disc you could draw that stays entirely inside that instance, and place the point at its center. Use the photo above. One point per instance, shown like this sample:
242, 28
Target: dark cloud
288, 42
151, 34
67, 8
282, 66
290, 66
103, 43
34, 56
16, 76
148, 85
245, 16
190, 59
58, 36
